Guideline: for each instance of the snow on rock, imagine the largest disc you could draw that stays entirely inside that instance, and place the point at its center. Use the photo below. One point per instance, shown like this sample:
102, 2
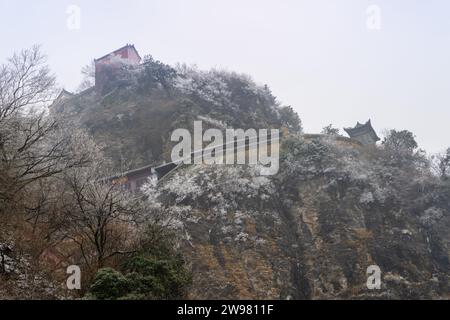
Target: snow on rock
366, 198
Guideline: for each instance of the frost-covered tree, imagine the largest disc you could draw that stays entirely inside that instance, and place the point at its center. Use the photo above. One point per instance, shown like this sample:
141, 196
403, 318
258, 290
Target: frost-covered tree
88, 76
441, 164
330, 130
154, 73
290, 119
402, 150
400, 141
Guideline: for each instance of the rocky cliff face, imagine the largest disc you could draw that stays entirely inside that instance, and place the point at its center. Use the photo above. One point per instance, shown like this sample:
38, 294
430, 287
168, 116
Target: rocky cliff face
312, 230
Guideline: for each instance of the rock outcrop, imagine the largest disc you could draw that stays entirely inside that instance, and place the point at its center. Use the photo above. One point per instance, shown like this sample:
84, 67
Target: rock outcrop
312, 230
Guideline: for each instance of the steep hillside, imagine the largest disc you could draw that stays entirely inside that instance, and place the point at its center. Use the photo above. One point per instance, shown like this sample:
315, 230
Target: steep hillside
312, 230
134, 114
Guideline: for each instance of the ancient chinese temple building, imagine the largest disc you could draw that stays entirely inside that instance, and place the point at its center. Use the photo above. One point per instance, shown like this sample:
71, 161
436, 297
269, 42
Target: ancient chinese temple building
363, 133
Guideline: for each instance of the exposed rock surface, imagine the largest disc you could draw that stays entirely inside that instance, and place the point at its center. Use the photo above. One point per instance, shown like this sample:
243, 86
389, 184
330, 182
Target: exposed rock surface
312, 230
309, 232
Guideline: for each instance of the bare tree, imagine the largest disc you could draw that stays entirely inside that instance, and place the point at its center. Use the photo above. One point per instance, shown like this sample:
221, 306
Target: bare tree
30, 148
25, 81
101, 218
441, 164
88, 73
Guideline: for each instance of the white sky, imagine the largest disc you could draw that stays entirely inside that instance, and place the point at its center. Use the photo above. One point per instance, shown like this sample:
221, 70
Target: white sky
317, 55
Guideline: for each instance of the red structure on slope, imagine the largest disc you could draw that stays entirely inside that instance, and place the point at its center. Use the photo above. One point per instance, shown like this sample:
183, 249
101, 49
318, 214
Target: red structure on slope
106, 65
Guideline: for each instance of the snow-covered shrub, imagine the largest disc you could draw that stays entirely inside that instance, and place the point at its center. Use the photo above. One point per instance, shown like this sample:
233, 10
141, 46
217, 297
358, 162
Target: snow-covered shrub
366, 198
431, 216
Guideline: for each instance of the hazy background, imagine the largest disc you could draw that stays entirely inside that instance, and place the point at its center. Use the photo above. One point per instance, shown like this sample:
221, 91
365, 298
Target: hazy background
316, 55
